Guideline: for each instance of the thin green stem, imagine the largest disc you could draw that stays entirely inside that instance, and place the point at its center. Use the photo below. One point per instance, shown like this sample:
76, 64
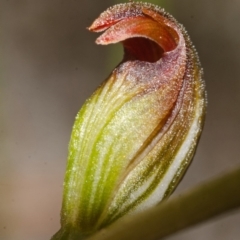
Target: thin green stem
202, 203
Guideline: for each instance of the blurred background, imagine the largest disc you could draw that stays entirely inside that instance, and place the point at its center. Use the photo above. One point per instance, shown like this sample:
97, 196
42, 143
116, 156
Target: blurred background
49, 64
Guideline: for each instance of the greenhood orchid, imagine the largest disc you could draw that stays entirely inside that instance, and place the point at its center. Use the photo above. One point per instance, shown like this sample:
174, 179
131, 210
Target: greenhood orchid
134, 138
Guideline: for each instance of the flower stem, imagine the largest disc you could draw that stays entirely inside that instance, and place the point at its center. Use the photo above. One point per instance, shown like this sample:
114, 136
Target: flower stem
68, 233
208, 200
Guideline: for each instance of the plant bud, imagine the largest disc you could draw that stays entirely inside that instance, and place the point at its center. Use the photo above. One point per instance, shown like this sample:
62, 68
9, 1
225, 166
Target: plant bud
135, 136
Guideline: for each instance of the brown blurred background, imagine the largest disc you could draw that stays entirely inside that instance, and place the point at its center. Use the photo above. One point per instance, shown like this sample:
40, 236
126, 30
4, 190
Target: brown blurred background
49, 65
